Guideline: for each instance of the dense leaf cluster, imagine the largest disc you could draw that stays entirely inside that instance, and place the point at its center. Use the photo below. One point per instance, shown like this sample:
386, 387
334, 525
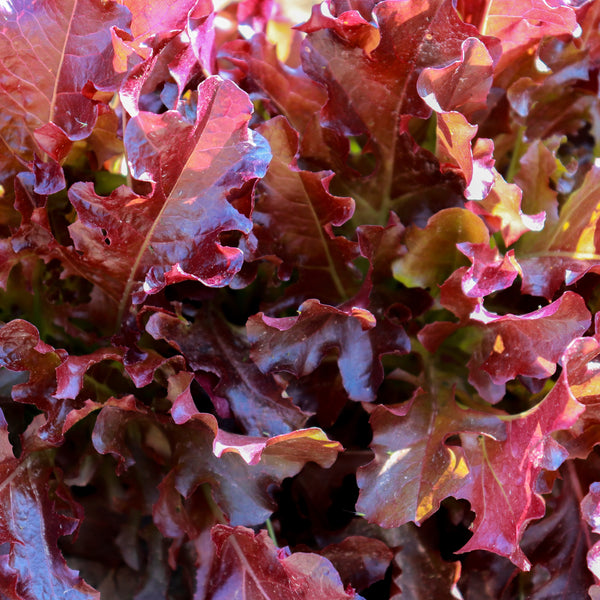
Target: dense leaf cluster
272, 296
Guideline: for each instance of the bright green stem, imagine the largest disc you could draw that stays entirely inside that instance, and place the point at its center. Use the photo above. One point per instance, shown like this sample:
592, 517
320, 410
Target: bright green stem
514, 166
271, 531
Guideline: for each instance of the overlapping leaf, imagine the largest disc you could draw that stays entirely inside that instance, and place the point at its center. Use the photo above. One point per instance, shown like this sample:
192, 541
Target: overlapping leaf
21, 349
138, 244
413, 143
298, 344
213, 346
502, 489
569, 248
559, 567
529, 345
239, 469
288, 91
414, 469
371, 78
36, 511
294, 218
418, 568
50, 52
250, 564
432, 254
519, 26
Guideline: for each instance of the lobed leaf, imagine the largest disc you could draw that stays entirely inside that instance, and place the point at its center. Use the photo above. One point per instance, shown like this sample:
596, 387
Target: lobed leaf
51, 51
251, 565
212, 346
36, 511
298, 344
131, 244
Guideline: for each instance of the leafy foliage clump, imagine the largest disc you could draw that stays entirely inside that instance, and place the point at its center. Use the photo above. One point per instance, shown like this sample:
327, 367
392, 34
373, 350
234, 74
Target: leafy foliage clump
273, 296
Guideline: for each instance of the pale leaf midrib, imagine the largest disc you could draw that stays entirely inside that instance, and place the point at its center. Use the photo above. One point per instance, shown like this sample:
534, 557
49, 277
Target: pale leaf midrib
167, 199
62, 59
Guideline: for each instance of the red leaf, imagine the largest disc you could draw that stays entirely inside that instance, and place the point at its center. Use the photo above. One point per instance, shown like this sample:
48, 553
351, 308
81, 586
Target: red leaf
294, 217
49, 54
133, 244
529, 345
418, 569
211, 345
296, 96
463, 85
559, 568
414, 469
453, 148
590, 510
488, 273
520, 26
360, 561
501, 209
250, 565
240, 469
298, 344
22, 350
504, 474
148, 18
32, 519
70, 373
583, 375
360, 63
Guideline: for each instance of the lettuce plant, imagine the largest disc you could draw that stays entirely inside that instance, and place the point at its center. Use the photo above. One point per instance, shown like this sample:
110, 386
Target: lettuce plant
299, 311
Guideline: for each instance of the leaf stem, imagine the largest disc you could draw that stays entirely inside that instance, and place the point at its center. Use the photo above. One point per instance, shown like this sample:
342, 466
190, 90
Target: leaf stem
514, 166
214, 507
271, 531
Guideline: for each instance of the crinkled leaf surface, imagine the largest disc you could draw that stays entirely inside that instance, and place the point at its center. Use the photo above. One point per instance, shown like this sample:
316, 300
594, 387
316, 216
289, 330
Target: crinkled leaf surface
371, 75
559, 566
583, 374
50, 51
501, 210
463, 84
147, 17
418, 570
296, 96
298, 344
414, 469
211, 345
22, 350
520, 26
419, 35
488, 273
251, 567
294, 216
528, 345
393, 169
139, 244
502, 490
590, 511
454, 151
569, 247
432, 254
239, 469
32, 519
